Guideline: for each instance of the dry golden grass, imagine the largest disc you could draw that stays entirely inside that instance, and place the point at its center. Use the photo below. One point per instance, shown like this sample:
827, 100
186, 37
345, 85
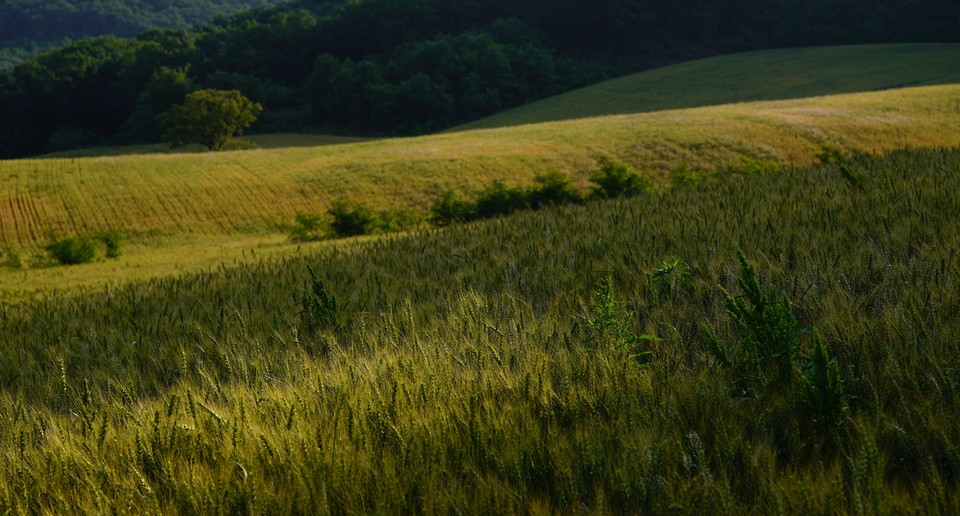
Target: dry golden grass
257, 191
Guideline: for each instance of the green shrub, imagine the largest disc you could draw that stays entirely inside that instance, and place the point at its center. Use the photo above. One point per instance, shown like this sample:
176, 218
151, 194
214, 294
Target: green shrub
552, 188
396, 220
450, 208
767, 364
308, 227
10, 257
352, 220
499, 199
830, 155
72, 250
683, 175
748, 166
615, 179
111, 241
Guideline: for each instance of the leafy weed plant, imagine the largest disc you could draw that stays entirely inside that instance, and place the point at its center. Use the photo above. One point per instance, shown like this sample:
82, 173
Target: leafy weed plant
611, 325
671, 278
318, 307
766, 353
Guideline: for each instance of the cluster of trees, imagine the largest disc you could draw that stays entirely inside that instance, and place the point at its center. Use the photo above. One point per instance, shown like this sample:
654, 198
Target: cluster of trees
406, 67
29, 25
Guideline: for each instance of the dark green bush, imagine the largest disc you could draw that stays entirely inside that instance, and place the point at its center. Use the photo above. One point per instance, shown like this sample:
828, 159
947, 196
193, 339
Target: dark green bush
552, 188
748, 166
830, 155
111, 241
683, 175
615, 179
450, 208
352, 220
308, 227
822, 393
499, 199
72, 250
396, 220
10, 257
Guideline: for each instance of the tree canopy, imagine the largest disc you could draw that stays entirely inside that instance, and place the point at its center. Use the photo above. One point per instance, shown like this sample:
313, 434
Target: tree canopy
394, 67
31, 25
209, 117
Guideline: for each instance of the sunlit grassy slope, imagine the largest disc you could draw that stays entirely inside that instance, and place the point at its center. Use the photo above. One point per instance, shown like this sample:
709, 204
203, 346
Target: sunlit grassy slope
256, 192
761, 75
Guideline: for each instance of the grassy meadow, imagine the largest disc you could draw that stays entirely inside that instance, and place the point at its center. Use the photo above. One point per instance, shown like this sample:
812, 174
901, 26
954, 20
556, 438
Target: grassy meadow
747, 77
187, 204
492, 367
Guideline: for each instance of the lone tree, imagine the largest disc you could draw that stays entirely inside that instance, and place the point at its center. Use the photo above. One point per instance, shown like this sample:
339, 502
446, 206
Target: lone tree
208, 117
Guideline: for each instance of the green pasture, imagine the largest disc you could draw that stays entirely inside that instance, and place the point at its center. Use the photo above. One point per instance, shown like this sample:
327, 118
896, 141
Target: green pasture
751, 76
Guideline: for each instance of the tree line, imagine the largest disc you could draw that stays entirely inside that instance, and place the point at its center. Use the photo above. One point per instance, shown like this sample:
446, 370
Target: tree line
33, 24
388, 67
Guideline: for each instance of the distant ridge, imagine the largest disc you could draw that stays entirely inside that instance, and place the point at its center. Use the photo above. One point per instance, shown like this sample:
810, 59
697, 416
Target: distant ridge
761, 75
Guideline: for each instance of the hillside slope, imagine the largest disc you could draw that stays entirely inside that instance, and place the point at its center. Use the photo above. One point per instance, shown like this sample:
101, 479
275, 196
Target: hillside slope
479, 369
259, 190
762, 75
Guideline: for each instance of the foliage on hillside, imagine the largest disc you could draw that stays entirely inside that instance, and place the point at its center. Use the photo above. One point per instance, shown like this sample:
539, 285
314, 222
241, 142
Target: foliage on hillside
399, 67
36, 24
484, 367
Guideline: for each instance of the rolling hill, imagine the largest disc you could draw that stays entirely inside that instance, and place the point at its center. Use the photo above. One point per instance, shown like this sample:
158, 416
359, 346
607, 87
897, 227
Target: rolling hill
181, 212
243, 191
746, 77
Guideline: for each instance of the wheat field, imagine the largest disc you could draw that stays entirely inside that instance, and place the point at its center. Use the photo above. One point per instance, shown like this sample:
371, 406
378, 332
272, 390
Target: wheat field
470, 369
259, 191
